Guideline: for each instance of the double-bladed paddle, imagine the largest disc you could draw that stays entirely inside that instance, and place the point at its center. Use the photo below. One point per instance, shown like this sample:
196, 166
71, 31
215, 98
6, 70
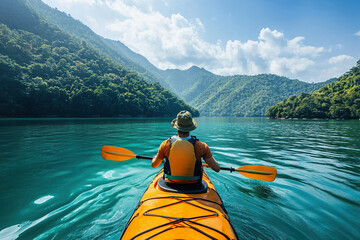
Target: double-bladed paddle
263, 173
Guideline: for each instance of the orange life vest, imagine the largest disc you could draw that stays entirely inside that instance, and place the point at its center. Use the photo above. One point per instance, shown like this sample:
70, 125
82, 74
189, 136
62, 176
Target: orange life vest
182, 165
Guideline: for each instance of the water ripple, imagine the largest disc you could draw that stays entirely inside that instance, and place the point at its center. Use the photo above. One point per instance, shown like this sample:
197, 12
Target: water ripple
58, 187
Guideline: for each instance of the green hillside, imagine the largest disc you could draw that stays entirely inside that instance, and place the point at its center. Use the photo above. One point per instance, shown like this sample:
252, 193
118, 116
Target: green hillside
248, 96
114, 49
189, 83
340, 99
46, 72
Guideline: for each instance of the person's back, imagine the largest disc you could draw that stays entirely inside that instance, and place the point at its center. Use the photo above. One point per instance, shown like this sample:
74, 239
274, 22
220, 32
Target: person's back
183, 153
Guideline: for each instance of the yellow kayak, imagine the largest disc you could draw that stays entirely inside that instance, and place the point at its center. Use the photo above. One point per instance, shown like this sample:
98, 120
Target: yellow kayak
173, 212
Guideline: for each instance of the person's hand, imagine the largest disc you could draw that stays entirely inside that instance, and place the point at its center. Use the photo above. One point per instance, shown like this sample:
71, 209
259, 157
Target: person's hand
206, 165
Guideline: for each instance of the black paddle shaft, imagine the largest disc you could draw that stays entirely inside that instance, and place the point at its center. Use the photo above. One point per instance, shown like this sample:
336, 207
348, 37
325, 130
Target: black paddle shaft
150, 158
143, 157
228, 169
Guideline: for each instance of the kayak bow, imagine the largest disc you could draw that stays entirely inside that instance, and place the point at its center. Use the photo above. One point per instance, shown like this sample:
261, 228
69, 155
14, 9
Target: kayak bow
179, 213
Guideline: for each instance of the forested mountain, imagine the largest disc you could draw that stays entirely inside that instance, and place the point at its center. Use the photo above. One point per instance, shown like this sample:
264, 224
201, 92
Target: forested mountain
114, 49
46, 72
340, 99
249, 96
191, 82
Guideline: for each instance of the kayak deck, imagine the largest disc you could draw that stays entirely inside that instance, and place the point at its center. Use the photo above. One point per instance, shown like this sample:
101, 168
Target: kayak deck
168, 215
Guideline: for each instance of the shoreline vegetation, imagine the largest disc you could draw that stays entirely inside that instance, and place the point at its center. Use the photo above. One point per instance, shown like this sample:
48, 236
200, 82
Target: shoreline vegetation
337, 100
94, 117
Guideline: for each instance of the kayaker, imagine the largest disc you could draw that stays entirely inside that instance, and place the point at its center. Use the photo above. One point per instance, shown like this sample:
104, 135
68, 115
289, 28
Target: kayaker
183, 153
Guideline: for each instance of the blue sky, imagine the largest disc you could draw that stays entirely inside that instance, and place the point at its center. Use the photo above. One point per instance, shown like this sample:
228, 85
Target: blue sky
308, 40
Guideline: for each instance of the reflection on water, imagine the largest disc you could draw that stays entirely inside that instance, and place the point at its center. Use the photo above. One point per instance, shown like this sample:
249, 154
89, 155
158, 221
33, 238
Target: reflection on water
55, 185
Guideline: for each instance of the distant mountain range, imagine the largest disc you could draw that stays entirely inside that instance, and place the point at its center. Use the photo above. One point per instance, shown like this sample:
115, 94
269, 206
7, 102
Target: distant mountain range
213, 95
249, 96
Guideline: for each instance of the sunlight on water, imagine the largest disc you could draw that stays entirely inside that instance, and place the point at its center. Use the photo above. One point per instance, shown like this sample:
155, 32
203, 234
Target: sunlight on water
43, 199
108, 174
10, 232
57, 186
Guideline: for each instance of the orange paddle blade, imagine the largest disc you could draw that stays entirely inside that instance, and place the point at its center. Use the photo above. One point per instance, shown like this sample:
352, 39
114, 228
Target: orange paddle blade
263, 173
116, 153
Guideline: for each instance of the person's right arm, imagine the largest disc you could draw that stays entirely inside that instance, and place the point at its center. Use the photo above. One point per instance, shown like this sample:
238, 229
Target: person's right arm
213, 164
209, 159
156, 161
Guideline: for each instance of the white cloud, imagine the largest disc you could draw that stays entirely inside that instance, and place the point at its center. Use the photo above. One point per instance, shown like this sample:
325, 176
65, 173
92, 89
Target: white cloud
167, 41
339, 46
335, 66
174, 42
340, 59
357, 34
200, 24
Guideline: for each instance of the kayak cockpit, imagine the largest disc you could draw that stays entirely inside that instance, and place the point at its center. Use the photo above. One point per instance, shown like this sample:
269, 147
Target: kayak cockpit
183, 188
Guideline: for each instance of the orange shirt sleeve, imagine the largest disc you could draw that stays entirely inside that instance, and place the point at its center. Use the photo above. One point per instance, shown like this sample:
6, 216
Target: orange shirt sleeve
163, 152
202, 150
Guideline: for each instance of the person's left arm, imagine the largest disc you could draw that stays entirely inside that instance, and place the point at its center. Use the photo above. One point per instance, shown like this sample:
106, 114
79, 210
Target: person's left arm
159, 157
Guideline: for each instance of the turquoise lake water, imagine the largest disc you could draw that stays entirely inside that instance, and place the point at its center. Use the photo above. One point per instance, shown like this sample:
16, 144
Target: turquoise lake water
55, 185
